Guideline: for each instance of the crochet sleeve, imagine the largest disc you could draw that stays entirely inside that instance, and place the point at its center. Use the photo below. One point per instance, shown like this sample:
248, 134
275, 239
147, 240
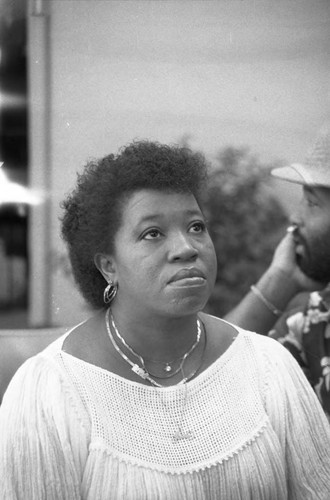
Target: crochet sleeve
43, 444
301, 426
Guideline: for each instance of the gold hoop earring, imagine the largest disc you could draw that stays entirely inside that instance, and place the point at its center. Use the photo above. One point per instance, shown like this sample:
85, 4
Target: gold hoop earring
110, 292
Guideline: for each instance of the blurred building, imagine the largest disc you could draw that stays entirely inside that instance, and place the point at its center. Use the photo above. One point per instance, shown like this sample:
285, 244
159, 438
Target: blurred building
14, 262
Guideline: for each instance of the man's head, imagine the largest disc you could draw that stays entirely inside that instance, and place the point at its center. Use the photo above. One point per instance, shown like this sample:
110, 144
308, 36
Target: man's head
312, 219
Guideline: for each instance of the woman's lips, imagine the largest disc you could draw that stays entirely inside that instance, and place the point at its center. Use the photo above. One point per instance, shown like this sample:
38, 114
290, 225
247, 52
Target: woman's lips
194, 281
188, 277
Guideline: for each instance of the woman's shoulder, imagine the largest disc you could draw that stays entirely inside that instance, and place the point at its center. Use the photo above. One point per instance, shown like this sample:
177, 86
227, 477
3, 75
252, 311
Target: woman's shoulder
220, 335
39, 370
43, 381
33, 383
222, 330
214, 322
39, 365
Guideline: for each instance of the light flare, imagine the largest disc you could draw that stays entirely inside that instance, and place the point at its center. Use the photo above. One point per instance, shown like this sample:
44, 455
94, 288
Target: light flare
12, 192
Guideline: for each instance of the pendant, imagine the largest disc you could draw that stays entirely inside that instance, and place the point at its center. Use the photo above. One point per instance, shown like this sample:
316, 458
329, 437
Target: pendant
139, 371
167, 368
182, 435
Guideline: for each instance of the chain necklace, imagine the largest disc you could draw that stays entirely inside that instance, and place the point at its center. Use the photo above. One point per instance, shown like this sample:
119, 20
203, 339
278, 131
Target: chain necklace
141, 370
168, 366
168, 369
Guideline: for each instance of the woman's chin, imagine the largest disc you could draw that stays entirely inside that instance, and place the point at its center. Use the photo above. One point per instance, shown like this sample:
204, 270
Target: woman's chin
187, 305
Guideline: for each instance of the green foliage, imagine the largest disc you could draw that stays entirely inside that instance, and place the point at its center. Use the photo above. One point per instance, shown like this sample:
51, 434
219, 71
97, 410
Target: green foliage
246, 221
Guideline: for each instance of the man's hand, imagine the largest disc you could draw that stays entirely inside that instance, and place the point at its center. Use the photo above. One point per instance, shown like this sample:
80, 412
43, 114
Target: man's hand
282, 281
285, 262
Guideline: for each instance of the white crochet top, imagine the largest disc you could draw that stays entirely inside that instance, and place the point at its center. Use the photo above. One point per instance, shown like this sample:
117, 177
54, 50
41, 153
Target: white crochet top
251, 429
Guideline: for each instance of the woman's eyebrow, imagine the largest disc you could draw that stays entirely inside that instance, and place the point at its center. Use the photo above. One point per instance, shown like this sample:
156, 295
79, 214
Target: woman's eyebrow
159, 215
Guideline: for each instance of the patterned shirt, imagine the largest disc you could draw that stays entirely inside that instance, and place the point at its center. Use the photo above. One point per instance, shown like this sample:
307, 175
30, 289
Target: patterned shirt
307, 336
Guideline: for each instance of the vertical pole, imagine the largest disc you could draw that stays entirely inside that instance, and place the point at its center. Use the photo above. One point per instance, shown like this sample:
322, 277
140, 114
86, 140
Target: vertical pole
39, 237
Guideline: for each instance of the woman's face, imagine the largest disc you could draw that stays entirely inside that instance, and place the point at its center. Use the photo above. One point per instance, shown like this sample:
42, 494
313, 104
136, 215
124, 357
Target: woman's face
164, 260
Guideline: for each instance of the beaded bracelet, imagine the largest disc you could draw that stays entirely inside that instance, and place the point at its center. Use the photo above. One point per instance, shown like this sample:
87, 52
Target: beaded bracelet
265, 301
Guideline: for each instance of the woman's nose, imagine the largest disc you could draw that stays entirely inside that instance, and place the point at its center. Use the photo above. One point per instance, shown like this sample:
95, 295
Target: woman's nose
182, 248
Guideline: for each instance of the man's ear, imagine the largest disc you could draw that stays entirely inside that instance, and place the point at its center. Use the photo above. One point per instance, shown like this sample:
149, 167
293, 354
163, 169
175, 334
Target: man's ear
105, 264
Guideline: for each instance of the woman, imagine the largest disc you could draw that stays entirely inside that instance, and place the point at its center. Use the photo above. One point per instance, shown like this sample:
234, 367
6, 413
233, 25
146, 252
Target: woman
151, 398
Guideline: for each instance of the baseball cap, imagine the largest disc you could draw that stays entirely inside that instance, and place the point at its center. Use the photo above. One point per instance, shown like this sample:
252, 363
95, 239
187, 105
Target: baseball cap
315, 171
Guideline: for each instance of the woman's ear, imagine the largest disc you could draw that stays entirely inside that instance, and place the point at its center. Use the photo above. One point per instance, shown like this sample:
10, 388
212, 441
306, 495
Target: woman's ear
105, 264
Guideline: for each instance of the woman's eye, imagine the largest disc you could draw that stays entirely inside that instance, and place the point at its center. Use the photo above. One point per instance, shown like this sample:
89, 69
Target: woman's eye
197, 227
151, 234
